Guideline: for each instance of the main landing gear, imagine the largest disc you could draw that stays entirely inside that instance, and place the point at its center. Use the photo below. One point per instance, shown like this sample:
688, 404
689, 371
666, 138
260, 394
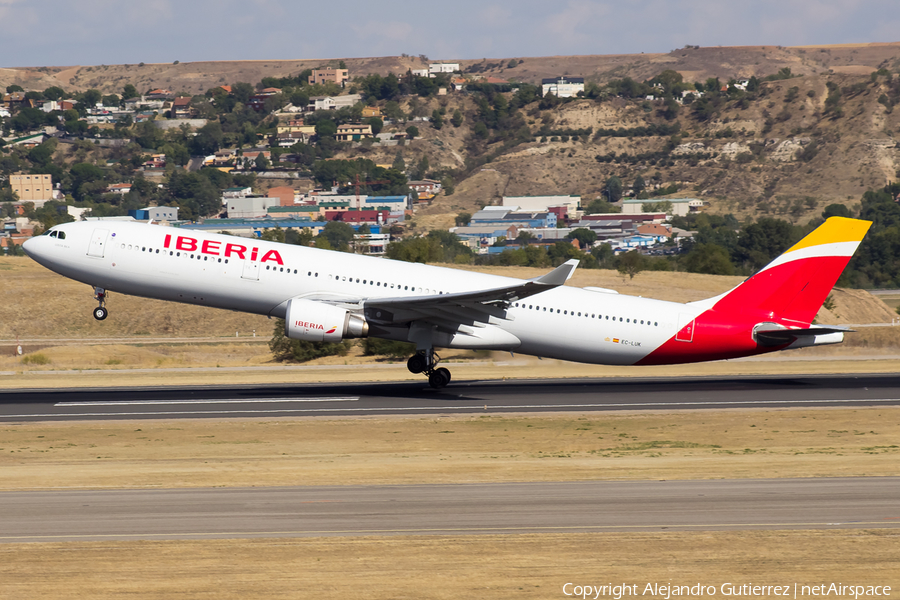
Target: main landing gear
425, 361
100, 312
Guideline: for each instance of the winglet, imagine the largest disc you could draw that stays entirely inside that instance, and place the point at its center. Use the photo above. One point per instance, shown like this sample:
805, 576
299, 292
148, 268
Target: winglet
559, 275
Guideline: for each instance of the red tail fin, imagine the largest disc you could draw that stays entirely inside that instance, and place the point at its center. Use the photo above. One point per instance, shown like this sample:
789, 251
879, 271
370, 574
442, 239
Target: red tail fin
794, 285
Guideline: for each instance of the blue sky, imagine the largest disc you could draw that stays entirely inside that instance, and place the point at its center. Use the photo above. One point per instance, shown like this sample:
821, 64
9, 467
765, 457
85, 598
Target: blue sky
91, 32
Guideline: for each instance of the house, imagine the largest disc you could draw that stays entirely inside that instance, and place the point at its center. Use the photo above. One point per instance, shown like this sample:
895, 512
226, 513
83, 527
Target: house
437, 68
119, 188
17, 100
30, 187
295, 125
181, 108
352, 132
237, 192
224, 88
332, 102
420, 72
284, 193
426, 189
286, 140
156, 161
322, 76
563, 87
160, 94
371, 111
60, 105
4, 112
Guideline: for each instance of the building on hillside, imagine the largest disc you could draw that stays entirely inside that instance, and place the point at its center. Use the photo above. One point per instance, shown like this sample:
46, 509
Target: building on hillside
32, 188
563, 87
442, 67
237, 192
353, 132
322, 76
371, 111
332, 102
507, 217
155, 213
286, 140
284, 193
250, 206
371, 243
680, 206
293, 124
182, 109
119, 188
160, 94
425, 189
572, 203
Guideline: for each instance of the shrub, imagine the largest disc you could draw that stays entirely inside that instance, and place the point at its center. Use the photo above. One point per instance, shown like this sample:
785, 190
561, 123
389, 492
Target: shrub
36, 359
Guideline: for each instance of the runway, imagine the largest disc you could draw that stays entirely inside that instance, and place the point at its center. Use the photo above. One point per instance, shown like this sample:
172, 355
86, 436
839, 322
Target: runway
476, 509
417, 398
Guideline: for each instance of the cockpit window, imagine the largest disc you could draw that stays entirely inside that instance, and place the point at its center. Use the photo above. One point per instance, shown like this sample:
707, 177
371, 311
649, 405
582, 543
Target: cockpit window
62, 235
48, 232
54, 234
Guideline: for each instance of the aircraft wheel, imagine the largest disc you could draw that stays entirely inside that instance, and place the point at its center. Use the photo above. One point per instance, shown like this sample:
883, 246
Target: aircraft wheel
440, 378
444, 373
416, 363
100, 313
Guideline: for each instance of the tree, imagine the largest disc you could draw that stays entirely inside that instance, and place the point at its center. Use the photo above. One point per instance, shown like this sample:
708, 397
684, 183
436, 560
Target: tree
585, 236
377, 124
463, 219
208, 140
399, 164
614, 189
14, 88
129, 91
457, 119
422, 168
708, 258
600, 206
392, 111
630, 263
836, 210
91, 97
639, 186
54, 93
261, 163
339, 235
437, 120
412, 131
326, 128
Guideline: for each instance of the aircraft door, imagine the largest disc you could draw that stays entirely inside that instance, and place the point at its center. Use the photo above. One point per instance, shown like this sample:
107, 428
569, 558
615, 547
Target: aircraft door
685, 328
98, 243
251, 270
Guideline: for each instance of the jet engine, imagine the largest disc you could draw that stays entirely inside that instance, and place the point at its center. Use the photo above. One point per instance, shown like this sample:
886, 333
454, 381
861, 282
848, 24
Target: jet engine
320, 322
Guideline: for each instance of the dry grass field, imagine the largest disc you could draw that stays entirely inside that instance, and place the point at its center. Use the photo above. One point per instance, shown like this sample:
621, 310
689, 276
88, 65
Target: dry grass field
445, 568
450, 449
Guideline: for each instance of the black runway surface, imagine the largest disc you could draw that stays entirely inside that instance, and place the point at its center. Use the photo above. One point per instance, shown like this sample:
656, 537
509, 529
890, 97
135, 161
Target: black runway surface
417, 398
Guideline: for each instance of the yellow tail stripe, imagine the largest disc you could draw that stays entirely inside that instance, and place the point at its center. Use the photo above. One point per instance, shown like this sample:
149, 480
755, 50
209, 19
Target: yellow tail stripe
835, 229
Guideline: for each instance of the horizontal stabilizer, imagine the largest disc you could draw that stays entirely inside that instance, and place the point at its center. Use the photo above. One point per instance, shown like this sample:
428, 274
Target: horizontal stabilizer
766, 336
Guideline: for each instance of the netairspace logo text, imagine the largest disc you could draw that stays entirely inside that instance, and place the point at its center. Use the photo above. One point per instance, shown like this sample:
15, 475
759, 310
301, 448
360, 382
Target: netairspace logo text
668, 590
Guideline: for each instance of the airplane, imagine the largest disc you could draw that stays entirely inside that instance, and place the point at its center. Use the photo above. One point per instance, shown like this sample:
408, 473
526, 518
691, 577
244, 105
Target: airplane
329, 296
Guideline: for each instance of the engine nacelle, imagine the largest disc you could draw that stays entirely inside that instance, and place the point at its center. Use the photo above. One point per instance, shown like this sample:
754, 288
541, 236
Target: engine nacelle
313, 321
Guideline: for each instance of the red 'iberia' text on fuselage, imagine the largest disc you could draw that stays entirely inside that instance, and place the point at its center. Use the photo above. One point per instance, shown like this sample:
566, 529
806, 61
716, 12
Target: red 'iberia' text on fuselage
214, 248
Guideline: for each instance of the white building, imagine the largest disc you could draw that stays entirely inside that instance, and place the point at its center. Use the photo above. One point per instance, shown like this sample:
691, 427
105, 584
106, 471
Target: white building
563, 87
435, 68
542, 203
680, 206
250, 207
420, 72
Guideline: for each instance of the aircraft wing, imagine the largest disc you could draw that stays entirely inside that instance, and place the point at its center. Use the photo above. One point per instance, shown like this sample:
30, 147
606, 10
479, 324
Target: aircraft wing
462, 307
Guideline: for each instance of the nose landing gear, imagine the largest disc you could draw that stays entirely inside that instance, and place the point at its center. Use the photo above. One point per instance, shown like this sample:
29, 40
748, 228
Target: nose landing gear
100, 312
425, 361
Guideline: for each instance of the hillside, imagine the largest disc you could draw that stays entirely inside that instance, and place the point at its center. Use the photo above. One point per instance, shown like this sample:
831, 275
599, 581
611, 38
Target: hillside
693, 63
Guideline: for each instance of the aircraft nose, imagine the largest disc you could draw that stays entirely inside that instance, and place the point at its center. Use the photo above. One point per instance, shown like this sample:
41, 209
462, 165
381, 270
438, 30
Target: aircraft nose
28, 246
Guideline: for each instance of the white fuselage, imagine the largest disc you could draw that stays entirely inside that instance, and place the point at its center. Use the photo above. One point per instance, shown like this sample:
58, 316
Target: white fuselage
138, 259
